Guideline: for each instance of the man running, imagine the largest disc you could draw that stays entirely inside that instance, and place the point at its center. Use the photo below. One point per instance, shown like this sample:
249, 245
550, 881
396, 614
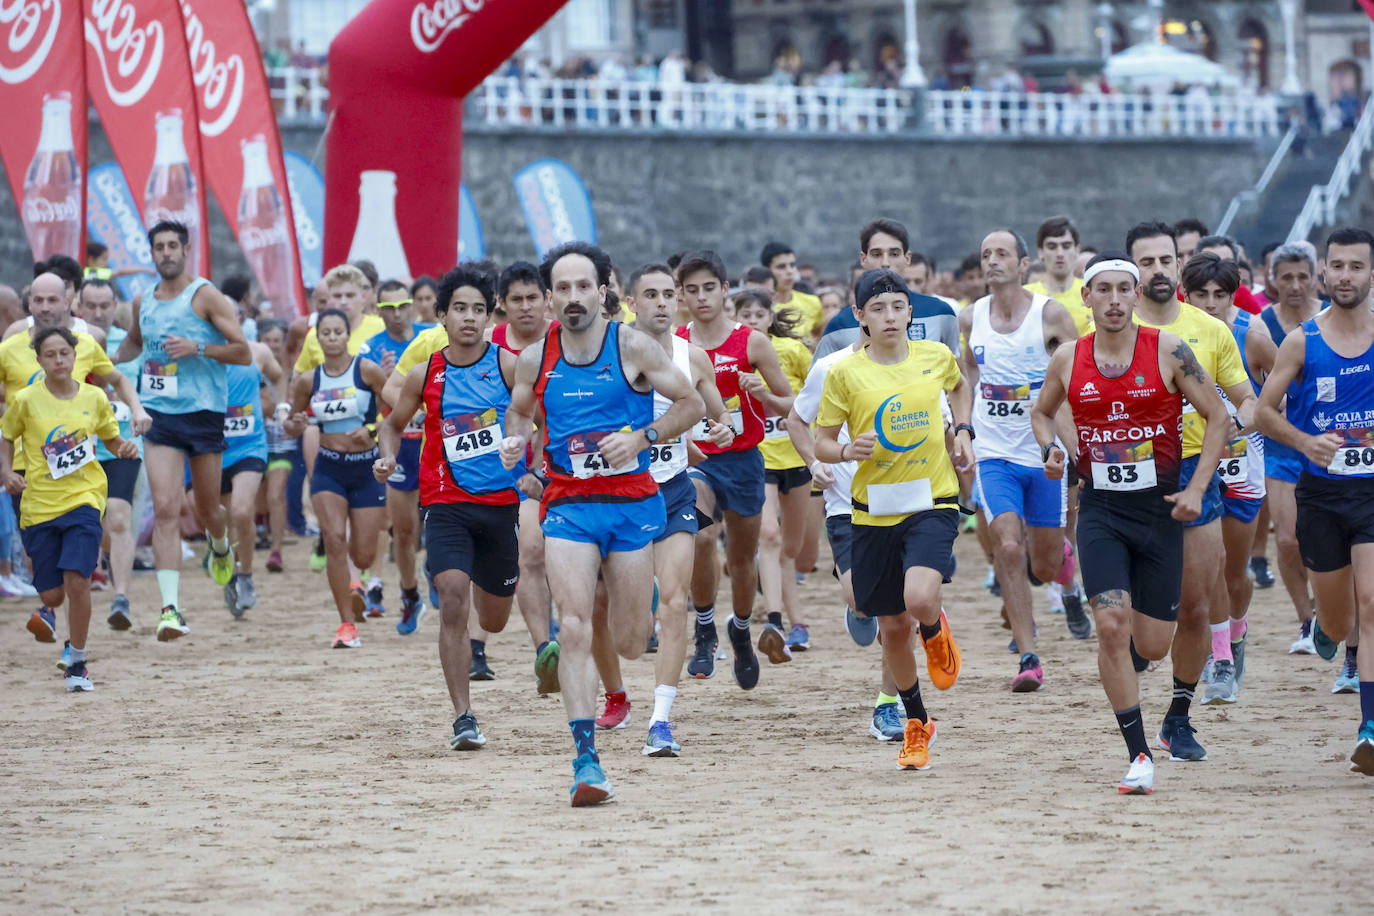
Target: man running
1010, 336
187, 333
1327, 372
1056, 243
1125, 383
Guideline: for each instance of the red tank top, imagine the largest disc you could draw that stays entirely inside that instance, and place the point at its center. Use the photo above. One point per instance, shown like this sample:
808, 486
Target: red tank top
1129, 427
730, 359
498, 335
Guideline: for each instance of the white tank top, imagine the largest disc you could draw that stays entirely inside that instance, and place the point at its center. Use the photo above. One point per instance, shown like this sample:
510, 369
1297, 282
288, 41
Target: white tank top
1011, 372
79, 325
668, 458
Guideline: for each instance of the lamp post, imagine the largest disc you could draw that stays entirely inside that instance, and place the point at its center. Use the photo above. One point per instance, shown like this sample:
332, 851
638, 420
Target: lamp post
912, 76
1289, 10
1104, 15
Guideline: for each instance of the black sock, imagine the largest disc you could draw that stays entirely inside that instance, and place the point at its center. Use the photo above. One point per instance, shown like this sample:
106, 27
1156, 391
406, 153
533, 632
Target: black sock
1183, 698
479, 648
929, 632
1350, 652
410, 594
706, 615
911, 701
1138, 661
1133, 730
738, 630
775, 618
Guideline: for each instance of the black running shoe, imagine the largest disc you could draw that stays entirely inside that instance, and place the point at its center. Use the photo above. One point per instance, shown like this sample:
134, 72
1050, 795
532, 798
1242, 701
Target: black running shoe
703, 663
1259, 571
746, 659
478, 669
1079, 623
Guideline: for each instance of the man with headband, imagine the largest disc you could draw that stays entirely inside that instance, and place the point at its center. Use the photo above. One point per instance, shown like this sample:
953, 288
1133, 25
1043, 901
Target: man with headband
1125, 383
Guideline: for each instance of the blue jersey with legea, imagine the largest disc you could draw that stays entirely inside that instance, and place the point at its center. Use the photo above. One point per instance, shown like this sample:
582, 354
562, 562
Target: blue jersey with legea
245, 434
1335, 395
129, 369
183, 385
1238, 331
342, 403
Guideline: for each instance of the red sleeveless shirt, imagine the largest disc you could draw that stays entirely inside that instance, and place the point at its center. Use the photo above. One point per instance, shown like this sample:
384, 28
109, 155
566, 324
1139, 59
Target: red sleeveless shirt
730, 359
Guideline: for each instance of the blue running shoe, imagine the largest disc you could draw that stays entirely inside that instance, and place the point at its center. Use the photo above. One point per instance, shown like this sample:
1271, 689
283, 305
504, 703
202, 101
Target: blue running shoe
1325, 645
887, 723
411, 612
433, 592
746, 659
863, 630
1176, 737
799, 638
43, 625
1348, 681
1362, 759
66, 660
660, 742
590, 785
467, 736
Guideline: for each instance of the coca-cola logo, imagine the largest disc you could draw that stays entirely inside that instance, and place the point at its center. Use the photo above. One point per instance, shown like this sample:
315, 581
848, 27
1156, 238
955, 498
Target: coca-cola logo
46, 210
112, 31
220, 81
33, 26
253, 238
188, 216
431, 23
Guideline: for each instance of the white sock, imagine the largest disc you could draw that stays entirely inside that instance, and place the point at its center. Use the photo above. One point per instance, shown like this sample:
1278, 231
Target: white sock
219, 545
663, 703
374, 582
168, 582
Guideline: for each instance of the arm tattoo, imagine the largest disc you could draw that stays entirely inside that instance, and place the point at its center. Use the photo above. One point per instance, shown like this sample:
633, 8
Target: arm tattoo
1184, 354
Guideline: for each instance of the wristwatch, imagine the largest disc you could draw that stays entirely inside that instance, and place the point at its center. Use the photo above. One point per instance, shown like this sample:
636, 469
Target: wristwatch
1045, 452
969, 427
650, 434
200, 348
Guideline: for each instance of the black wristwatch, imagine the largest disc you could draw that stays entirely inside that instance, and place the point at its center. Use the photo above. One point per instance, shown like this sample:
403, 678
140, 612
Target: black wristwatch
1045, 452
650, 434
968, 426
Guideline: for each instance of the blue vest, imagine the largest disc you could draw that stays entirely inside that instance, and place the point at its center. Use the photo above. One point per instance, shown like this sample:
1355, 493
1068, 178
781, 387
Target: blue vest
1335, 395
245, 434
184, 385
1238, 331
465, 419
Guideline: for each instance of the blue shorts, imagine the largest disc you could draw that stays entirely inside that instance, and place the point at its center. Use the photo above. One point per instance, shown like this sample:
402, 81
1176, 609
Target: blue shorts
1282, 462
70, 541
406, 477
1243, 510
613, 527
736, 478
1211, 497
348, 474
1004, 486
200, 432
679, 506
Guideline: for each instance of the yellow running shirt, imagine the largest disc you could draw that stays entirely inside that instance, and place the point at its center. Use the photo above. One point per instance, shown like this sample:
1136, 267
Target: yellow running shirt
776, 447
58, 435
426, 344
910, 470
19, 369
809, 312
1071, 299
312, 356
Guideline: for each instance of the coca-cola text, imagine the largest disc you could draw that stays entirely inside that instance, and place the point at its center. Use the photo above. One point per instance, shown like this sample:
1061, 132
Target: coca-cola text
33, 26
220, 82
431, 23
112, 30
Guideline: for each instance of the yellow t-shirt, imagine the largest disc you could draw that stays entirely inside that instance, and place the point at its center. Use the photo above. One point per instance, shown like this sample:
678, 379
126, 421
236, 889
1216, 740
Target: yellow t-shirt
1071, 299
808, 309
910, 470
19, 369
58, 435
312, 356
419, 350
776, 447
1217, 353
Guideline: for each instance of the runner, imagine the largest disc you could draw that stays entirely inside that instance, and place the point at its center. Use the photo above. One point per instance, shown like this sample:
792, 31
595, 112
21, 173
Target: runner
1327, 372
1056, 243
905, 491
281, 448
470, 500
1011, 335
730, 480
1125, 383
341, 397
64, 494
69, 272
781, 262
594, 381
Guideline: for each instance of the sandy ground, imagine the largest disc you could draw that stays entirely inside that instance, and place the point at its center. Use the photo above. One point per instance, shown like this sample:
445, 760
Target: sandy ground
248, 767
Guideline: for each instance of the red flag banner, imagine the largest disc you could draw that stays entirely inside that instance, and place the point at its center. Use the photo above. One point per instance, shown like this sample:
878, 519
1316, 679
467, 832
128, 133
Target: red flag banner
43, 143
140, 80
1368, 7
241, 147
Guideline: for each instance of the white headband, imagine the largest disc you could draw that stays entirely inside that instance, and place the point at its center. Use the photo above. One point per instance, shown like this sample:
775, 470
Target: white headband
1104, 266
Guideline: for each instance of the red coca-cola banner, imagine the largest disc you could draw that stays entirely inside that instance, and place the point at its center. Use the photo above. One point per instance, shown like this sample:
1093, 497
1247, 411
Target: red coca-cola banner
397, 76
241, 149
43, 141
139, 77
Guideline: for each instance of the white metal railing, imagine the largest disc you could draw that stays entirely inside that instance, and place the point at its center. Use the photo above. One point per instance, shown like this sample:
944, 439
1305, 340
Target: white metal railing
298, 92
1096, 115
1322, 200
1260, 186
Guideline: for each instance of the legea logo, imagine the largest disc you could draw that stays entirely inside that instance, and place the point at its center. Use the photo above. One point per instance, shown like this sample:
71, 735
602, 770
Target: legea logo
112, 30
33, 29
220, 82
431, 23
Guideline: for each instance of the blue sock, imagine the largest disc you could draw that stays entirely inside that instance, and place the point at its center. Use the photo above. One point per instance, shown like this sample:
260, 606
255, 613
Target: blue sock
584, 737
1367, 701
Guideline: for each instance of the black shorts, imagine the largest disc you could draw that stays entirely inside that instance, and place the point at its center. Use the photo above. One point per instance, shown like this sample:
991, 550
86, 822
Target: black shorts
787, 479
1134, 545
200, 432
248, 465
121, 474
1333, 515
883, 554
349, 474
840, 533
481, 541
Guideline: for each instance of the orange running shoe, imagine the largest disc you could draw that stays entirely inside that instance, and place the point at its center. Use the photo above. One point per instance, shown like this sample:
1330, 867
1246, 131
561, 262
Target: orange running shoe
346, 637
359, 602
942, 656
916, 742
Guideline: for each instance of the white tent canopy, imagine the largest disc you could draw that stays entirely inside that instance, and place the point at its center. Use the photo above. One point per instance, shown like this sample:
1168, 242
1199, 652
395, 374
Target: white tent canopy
1159, 66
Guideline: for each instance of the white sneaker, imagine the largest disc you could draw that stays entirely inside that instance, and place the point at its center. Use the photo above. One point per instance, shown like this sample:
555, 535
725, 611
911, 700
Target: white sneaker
1055, 592
1140, 778
1303, 645
17, 586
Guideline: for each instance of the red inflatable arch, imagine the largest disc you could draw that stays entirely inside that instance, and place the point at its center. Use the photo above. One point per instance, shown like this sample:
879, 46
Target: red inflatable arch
398, 73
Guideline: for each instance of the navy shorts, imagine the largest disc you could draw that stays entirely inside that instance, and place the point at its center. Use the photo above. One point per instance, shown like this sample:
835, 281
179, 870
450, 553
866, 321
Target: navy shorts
121, 475
787, 479
481, 541
406, 477
200, 432
736, 478
618, 527
251, 464
70, 541
1243, 510
348, 474
1333, 516
883, 553
1134, 545
839, 531
1211, 497
679, 506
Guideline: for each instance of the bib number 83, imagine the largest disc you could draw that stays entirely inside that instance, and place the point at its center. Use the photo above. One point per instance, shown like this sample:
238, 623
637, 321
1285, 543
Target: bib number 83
1117, 473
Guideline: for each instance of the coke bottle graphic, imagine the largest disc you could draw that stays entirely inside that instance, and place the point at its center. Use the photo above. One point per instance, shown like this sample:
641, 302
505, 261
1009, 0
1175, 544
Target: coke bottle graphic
171, 191
377, 237
52, 185
262, 230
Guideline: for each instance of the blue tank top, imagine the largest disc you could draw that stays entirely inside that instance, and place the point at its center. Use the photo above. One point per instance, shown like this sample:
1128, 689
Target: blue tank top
245, 434
381, 343
183, 385
1238, 331
465, 419
1335, 395
341, 404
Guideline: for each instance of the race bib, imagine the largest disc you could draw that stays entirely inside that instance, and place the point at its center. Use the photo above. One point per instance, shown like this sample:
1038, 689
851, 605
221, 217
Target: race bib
774, 427
906, 498
122, 412
585, 456
68, 454
239, 421
471, 435
335, 404
1128, 466
1005, 400
159, 379
663, 454
1235, 462
702, 431
1356, 457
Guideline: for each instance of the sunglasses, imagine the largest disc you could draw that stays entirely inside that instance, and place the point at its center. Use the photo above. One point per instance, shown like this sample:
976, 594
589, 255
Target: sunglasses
400, 303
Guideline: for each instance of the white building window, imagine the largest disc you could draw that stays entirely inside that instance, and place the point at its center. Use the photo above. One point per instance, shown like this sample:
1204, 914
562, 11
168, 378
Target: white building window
316, 22
590, 23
